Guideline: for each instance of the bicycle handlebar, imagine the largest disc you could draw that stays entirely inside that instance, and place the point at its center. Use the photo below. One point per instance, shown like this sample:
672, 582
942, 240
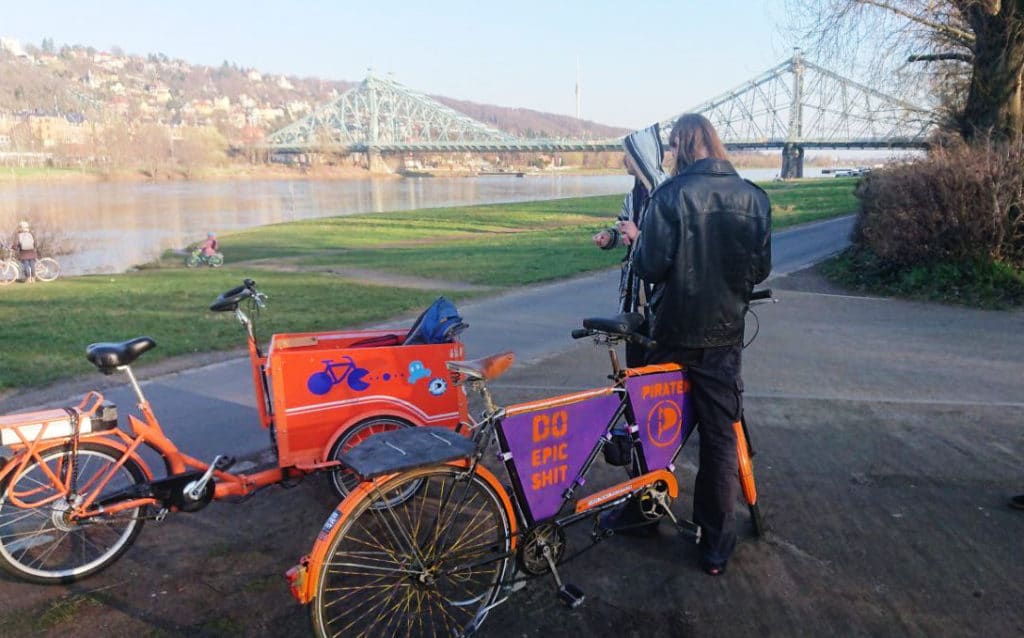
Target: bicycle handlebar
228, 301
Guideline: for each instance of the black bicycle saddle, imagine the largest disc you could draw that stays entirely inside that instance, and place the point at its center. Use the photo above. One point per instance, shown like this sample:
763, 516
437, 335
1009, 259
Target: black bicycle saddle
108, 356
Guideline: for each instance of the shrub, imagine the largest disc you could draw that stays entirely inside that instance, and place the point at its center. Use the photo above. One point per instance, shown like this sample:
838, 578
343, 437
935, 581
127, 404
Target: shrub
962, 204
985, 284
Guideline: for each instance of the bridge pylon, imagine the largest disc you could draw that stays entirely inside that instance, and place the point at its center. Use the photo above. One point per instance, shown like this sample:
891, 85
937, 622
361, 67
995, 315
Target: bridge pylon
798, 105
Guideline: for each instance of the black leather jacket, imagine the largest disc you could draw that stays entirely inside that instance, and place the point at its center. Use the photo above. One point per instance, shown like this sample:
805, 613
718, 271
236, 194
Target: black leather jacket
705, 243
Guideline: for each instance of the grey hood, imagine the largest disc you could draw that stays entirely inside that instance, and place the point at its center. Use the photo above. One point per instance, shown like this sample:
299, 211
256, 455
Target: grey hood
644, 146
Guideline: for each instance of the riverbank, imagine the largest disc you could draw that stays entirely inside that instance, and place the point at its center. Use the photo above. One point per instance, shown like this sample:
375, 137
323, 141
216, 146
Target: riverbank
246, 171
307, 268
232, 172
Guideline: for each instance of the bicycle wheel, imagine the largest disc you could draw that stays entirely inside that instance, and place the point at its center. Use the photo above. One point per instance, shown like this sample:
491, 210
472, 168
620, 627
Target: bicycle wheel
47, 269
9, 272
40, 543
429, 566
215, 261
192, 261
344, 481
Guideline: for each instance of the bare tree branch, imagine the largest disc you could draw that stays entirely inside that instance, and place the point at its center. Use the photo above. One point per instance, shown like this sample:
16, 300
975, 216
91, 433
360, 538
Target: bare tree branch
965, 38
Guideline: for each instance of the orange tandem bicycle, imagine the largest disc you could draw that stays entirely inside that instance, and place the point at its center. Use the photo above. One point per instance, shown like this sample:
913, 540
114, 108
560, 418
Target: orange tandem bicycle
75, 489
432, 539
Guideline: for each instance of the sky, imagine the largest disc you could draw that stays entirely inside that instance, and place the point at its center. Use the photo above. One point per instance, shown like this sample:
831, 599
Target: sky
639, 61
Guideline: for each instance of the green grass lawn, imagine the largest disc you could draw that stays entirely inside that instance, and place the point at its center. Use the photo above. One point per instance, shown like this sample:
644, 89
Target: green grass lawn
47, 326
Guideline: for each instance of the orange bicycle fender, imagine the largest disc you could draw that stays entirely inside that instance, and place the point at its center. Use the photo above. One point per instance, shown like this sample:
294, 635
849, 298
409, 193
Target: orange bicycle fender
746, 466
303, 578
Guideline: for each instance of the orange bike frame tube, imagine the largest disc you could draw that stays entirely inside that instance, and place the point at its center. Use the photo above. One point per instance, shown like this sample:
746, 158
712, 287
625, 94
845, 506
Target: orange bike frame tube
228, 485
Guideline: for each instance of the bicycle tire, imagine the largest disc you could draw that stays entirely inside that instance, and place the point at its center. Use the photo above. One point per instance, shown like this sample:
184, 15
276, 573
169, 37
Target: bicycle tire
9, 272
47, 269
430, 566
757, 522
192, 261
38, 545
215, 261
343, 481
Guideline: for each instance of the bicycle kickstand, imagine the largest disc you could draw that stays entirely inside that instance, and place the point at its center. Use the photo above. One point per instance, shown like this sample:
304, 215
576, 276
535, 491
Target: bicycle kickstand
570, 595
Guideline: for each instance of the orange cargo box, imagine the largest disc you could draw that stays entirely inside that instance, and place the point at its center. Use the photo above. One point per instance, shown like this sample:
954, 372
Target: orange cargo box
324, 383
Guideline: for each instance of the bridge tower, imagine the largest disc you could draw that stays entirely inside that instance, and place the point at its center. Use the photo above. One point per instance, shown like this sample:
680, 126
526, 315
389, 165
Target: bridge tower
792, 151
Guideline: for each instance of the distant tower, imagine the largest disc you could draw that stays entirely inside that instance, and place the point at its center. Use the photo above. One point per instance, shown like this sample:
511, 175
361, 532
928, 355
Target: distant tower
579, 113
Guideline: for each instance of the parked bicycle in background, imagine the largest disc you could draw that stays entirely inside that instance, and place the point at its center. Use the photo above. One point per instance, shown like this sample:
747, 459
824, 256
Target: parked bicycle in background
46, 269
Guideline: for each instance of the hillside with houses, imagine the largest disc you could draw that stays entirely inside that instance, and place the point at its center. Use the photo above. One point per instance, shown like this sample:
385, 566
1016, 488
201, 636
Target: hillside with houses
76, 106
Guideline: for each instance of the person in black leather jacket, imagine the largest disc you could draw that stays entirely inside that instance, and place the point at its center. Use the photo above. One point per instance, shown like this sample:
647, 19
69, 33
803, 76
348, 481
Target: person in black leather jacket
705, 243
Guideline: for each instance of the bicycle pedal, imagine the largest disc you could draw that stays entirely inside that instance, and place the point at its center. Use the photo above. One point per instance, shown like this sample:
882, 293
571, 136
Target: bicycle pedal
571, 595
689, 529
224, 463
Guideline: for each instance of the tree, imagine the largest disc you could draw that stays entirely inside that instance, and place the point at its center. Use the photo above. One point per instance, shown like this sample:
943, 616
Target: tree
199, 147
978, 45
150, 148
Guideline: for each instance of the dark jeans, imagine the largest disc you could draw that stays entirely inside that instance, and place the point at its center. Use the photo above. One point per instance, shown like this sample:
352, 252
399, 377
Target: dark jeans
716, 392
28, 268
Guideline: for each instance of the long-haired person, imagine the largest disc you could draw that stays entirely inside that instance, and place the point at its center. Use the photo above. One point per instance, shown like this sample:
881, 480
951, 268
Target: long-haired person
704, 245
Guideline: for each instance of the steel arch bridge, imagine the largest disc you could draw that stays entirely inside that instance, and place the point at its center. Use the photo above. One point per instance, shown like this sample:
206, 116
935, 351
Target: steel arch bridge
793, 106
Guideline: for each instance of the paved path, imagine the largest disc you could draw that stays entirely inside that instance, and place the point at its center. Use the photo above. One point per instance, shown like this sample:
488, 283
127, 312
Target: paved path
210, 410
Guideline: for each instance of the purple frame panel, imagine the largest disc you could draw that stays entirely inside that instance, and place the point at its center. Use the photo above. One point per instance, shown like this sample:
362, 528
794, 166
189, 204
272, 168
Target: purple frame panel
664, 414
550, 445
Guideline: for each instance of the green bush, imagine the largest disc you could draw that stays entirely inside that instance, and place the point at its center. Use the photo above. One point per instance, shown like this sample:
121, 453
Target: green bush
979, 283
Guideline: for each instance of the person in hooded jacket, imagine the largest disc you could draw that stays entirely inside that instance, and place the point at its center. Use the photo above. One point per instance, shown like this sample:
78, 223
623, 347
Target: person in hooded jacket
642, 158
704, 244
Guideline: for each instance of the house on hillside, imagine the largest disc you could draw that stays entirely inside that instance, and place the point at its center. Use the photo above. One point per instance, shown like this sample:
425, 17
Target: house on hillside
13, 46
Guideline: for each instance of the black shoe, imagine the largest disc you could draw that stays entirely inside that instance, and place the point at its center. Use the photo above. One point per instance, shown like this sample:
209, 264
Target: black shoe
1017, 502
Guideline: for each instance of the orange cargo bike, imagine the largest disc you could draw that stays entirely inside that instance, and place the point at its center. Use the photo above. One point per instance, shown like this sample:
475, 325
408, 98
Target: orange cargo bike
75, 489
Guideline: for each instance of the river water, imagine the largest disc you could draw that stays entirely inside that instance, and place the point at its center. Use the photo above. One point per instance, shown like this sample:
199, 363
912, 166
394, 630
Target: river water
114, 226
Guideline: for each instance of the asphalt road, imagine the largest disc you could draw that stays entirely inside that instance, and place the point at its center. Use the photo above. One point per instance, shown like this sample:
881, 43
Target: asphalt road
210, 410
889, 435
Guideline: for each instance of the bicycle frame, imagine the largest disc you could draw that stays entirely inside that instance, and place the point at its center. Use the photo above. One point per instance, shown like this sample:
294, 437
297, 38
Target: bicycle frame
536, 439
549, 446
142, 432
